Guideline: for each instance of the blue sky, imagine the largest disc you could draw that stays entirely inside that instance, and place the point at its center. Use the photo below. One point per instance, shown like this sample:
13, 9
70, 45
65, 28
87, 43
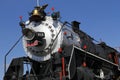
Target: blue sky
99, 18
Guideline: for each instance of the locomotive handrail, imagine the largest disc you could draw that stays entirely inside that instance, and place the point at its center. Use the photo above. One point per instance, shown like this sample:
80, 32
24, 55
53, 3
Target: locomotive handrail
5, 57
97, 57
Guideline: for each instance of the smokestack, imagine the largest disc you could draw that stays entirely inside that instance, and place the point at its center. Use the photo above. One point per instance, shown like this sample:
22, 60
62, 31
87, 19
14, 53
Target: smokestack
75, 25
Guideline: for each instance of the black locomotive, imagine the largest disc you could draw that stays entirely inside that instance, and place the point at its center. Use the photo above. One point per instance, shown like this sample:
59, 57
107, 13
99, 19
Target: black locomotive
61, 51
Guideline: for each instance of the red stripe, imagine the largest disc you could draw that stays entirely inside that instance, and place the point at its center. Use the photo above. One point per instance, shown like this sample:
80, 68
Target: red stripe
60, 73
63, 66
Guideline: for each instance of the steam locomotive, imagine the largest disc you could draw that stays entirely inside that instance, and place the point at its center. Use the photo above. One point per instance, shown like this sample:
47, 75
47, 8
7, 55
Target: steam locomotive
61, 51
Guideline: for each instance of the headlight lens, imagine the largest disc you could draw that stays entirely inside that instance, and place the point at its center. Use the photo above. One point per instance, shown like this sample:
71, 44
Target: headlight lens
29, 34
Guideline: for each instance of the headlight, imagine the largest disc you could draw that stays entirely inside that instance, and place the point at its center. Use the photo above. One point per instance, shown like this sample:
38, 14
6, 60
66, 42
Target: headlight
28, 33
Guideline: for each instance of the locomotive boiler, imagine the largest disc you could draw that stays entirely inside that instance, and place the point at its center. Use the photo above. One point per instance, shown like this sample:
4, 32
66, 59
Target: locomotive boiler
61, 51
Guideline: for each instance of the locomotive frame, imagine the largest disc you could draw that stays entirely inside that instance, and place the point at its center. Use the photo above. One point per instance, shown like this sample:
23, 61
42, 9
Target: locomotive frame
69, 69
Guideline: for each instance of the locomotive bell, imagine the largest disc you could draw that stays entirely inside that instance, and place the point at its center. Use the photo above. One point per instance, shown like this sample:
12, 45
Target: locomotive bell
37, 15
35, 12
